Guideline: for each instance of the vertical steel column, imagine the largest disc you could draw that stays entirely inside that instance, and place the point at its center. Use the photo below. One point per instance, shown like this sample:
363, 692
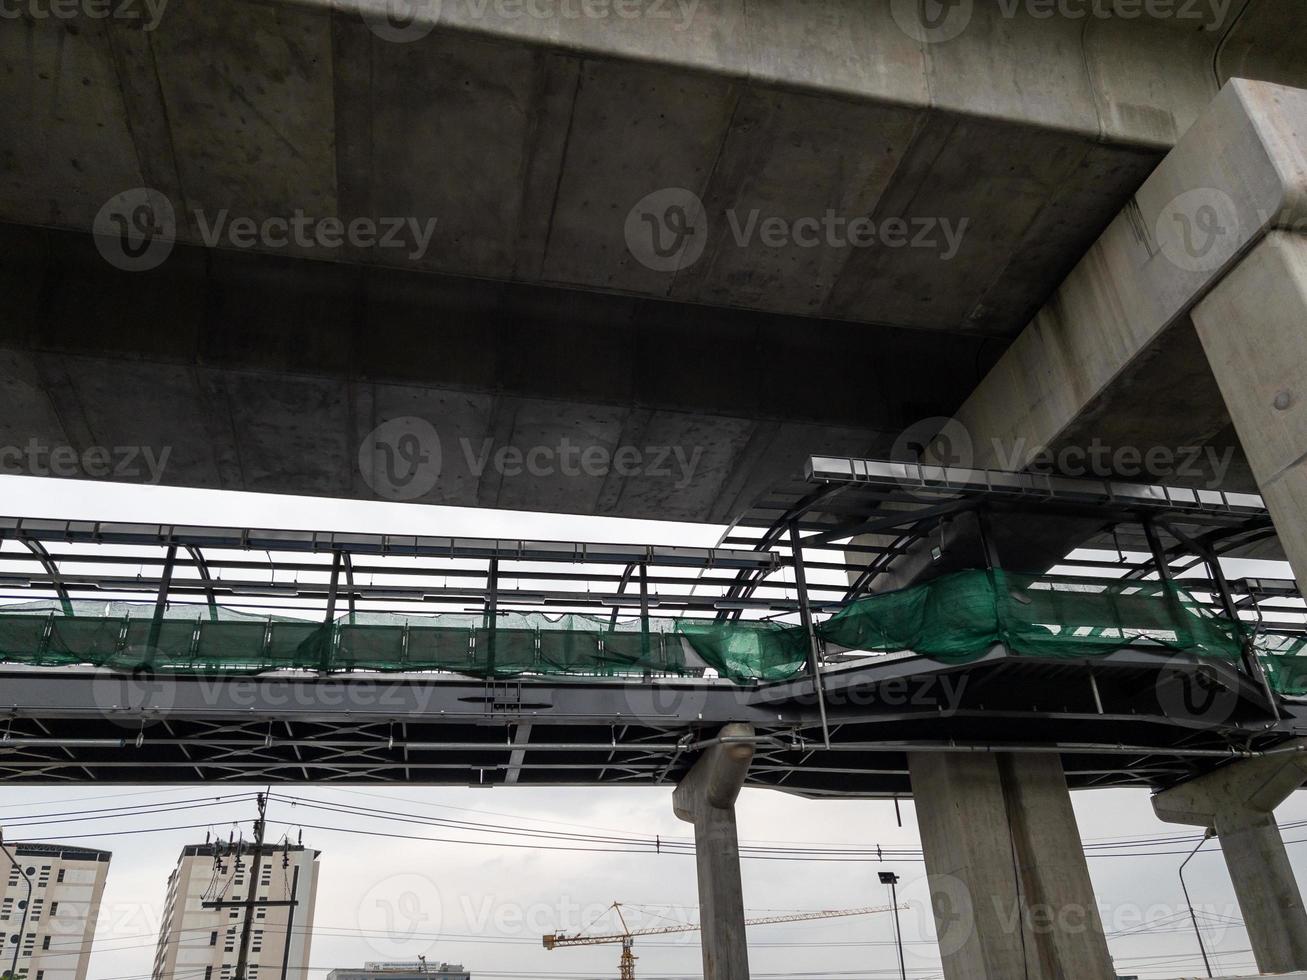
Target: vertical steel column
324, 639
161, 602
492, 615
644, 615
805, 617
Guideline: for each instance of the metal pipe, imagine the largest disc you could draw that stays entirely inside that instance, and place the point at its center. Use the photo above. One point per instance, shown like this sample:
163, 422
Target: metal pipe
782, 743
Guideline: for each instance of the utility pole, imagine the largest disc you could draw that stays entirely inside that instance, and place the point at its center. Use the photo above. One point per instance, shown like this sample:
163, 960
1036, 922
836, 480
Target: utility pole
247, 927
250, 902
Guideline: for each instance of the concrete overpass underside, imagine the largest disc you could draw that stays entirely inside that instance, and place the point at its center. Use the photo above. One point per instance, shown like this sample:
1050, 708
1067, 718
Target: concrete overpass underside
529, 320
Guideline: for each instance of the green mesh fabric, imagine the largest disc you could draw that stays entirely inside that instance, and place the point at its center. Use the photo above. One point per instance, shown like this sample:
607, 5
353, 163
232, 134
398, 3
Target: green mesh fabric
954, 619
748, 651
1287, 674
960, 617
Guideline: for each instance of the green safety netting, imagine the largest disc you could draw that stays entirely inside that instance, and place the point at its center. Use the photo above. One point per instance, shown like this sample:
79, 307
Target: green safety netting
954, 619
1285, 662
960, 617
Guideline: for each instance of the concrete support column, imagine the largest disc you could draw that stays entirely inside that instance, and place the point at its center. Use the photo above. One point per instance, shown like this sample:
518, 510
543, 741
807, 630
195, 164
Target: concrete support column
1238, 802
1253, 326
1008, 879
706, 798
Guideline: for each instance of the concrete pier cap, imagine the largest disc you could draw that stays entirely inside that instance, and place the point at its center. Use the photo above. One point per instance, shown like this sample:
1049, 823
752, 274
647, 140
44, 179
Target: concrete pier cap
1238, 802
1237, 794
717, 778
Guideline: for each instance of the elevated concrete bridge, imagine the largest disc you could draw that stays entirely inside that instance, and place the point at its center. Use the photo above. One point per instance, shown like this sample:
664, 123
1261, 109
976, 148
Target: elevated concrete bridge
529, 138
1133, 270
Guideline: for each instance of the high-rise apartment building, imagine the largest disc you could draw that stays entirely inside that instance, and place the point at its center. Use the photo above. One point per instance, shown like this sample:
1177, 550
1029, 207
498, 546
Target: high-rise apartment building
66, 886
198, 941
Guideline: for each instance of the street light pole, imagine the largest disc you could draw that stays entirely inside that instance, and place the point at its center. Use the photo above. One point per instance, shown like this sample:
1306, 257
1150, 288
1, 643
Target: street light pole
891, 879
27, 907
1208, 835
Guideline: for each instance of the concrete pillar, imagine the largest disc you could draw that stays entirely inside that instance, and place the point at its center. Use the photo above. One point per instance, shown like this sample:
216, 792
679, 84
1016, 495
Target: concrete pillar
1008, 879
1253, 326
706, 798
1238, 801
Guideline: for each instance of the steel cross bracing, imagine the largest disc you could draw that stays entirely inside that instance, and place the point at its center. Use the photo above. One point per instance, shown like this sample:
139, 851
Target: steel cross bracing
1136, 717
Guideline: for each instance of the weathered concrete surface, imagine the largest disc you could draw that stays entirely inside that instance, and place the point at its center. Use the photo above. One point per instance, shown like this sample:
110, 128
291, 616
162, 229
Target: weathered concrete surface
706, 798
1253, 325
1243, 159
530, 137
1238, 801
1008, 878
268, 374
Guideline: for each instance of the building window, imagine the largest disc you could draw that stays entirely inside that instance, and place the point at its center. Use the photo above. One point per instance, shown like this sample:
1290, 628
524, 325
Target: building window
208, 973
60, 878
45, 943
54, 908
213, 939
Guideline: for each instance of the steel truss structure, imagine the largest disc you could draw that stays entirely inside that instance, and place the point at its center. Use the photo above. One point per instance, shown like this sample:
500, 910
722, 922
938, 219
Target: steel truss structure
1140, 716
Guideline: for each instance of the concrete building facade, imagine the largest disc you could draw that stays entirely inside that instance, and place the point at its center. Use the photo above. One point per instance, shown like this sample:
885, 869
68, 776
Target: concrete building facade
198, 943
67, 884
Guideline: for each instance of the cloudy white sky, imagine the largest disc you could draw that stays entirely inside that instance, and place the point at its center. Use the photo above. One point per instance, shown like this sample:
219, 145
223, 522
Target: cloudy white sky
487, 906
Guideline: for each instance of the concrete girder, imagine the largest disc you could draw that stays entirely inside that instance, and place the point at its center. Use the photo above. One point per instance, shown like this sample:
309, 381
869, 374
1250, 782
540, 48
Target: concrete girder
1253, 326
1242, 160
530, 137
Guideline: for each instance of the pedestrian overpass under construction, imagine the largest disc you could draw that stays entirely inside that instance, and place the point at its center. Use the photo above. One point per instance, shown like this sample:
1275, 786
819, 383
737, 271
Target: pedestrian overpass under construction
178, 654
869, 631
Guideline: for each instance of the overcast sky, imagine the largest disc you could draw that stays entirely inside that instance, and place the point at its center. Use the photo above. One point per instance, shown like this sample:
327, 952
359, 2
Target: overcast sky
487, 906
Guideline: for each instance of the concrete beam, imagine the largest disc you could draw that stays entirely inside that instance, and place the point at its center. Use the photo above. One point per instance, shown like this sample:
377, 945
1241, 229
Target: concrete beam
243, 372
1238, 801
706, 798
529, 131
1008, 878
1253, 326
1238, 174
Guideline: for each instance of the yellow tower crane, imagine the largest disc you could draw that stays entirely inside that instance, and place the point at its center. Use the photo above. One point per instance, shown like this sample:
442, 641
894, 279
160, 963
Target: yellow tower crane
626, 965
